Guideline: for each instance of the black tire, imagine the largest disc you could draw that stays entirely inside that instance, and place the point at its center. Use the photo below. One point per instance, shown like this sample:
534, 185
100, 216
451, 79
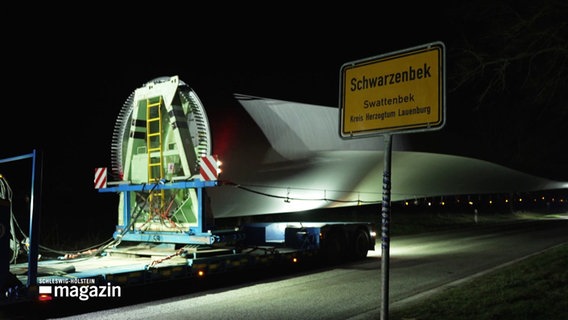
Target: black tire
360, 245
335, 248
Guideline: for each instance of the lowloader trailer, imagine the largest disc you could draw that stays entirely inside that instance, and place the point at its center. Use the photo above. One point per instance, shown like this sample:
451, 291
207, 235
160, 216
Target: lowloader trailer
162, 168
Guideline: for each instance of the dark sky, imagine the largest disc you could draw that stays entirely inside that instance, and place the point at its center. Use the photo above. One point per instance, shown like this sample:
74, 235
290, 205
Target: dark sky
69, 75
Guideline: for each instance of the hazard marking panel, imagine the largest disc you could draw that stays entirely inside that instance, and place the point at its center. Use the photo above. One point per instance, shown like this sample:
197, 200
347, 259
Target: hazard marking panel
399, 91
208, 168
100, 178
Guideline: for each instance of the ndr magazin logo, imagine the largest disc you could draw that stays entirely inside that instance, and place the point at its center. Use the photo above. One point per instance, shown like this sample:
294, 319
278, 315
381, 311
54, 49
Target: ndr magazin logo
81, 291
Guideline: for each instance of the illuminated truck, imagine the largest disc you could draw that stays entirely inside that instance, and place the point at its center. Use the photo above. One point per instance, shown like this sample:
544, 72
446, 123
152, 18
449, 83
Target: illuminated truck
162, 167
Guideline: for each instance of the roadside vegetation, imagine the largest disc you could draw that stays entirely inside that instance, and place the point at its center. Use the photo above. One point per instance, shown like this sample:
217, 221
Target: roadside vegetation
535, 288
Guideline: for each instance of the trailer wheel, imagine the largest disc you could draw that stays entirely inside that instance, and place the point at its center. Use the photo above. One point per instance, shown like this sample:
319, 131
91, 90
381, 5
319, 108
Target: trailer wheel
336, 248
360, 245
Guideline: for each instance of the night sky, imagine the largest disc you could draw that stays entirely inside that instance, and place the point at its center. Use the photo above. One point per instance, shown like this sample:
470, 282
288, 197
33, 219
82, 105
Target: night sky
70, 75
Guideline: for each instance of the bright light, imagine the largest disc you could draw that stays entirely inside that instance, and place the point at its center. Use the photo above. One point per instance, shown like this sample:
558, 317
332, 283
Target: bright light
200, 273
45, 297
219, 163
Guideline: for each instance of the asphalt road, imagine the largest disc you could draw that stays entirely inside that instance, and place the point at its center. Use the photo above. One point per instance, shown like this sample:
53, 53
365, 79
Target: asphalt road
419, 265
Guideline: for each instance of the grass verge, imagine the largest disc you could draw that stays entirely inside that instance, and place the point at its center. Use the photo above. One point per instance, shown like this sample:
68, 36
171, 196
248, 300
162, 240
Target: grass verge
535, 288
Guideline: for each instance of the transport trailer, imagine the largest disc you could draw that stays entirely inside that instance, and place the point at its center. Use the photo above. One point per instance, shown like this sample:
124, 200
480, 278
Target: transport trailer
143, 257
126, 263
162, 165
145, 263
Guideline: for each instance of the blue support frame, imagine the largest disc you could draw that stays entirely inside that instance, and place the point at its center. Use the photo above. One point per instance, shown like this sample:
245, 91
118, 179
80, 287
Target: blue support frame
35, 212
196, 235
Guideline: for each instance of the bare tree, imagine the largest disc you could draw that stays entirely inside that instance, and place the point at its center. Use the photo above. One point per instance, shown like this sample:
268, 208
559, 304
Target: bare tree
508, 73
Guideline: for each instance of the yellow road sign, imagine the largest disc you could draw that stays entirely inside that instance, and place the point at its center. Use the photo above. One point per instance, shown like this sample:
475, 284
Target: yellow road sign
400, 91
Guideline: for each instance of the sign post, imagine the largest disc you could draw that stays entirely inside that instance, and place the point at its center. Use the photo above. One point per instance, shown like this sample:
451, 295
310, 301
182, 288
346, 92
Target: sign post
398, 92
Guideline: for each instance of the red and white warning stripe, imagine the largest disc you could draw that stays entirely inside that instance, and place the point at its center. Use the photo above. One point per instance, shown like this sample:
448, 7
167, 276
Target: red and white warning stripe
209, 168
100, 178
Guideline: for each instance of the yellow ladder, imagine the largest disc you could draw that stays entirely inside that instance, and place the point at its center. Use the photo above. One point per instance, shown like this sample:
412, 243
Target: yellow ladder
154, 148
